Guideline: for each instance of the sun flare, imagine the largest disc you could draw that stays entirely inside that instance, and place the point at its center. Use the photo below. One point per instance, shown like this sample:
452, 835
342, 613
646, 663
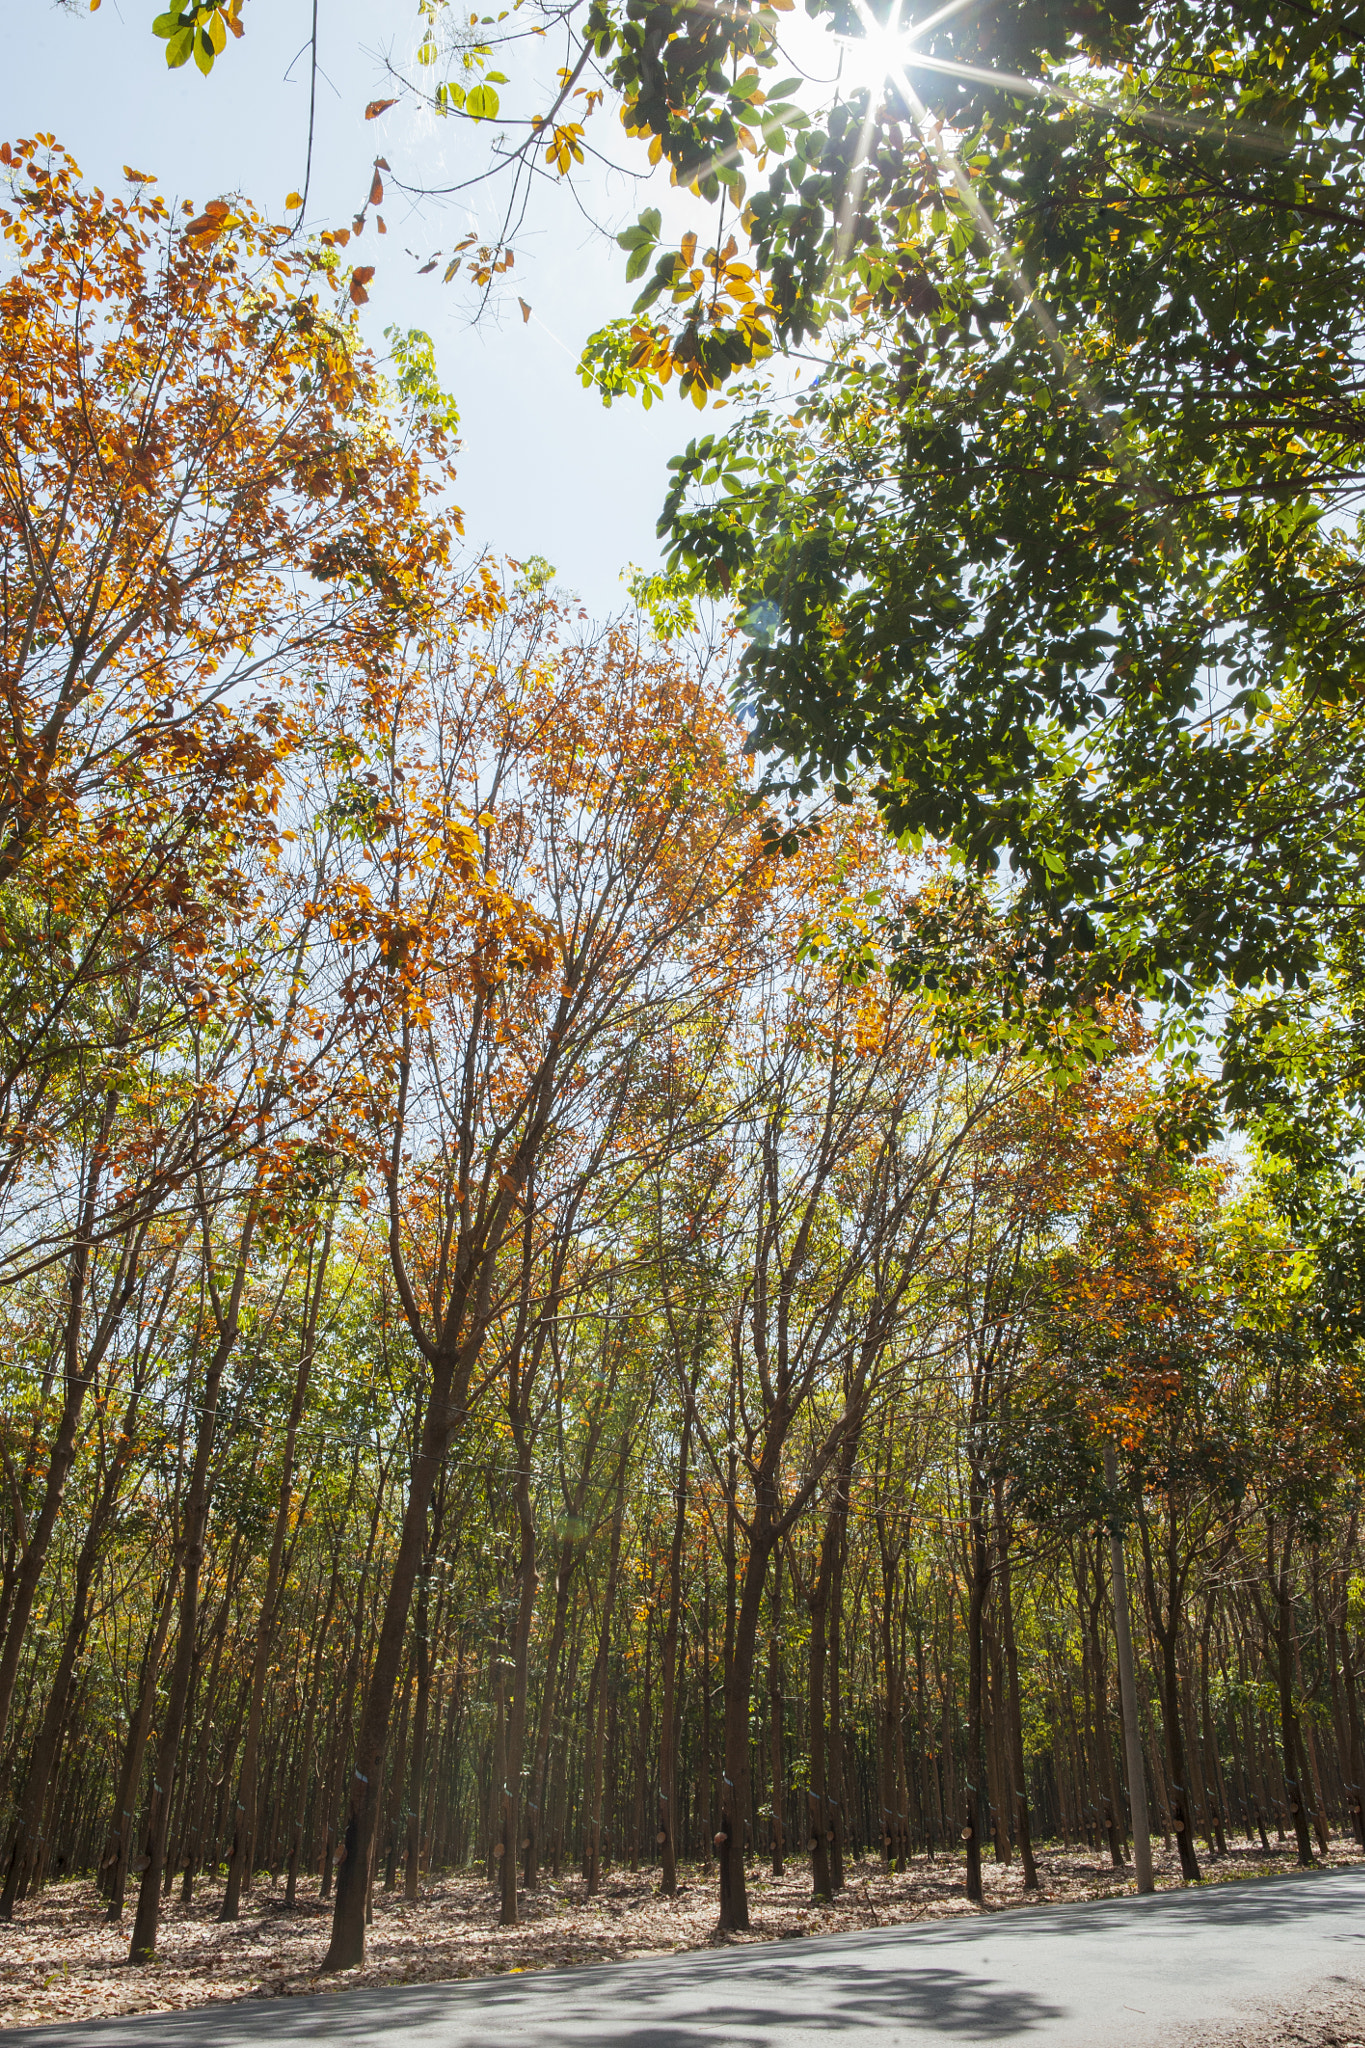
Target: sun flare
881, 53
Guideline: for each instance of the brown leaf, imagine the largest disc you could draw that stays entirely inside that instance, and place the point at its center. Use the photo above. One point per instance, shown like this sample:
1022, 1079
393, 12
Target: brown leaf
378, 107
376, 190
360, 277
525, 311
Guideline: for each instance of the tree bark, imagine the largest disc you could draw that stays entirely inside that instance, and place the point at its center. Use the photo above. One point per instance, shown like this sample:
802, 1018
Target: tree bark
1015, 1707
1132, 1734
244, 1834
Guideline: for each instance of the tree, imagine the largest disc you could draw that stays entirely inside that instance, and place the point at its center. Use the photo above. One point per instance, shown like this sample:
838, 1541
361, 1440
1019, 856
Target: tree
1059, 543
570, 871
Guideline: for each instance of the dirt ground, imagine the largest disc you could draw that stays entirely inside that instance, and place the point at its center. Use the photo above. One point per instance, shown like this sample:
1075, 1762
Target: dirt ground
61, 1960
1334, 2017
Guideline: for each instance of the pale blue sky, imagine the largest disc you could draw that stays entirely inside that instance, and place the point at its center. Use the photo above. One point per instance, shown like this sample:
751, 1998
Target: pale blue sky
546, 469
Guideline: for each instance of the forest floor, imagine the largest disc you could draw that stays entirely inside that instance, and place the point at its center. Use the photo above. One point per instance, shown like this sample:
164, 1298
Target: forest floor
60, 1959
1333, 2017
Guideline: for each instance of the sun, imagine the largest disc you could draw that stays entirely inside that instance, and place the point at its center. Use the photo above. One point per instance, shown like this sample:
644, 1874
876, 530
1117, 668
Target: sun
881, 53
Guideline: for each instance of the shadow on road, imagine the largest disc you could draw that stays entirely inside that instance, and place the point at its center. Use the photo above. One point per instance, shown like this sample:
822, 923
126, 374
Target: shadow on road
924, 1978
849, 1996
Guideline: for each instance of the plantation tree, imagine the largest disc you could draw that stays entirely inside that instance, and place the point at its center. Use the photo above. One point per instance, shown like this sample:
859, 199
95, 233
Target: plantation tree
566, 855
844, 1146
199, 490
1061, 542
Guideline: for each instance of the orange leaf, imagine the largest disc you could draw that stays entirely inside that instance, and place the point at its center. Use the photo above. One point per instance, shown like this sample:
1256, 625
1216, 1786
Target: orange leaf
525, 311
360, 277
378, 107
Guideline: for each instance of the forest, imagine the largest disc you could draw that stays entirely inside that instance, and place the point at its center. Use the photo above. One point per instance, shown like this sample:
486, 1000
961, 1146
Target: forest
724, 1241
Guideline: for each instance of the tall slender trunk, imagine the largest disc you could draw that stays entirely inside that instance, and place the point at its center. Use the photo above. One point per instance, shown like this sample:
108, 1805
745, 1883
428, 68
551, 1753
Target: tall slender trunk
1015, 1706
520, 1668
1164, 1616
33, 1798
1132, 1734
347, 1947
196, 1820
775, 1717
668, 1722
421, 1651
597, 1732
739, 1677
836, 1783
242, 1856
817, 1793
977, 1817
77, 1374
148, 1918
304, 1774
537, 1809
130, 1772
1290, 1739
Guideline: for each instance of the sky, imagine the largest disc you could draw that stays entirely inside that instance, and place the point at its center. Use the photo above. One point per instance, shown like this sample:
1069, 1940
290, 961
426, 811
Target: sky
545, 468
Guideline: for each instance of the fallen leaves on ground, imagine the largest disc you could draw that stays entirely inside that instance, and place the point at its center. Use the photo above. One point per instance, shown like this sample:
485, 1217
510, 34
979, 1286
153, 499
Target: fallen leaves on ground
62, 1960
1332, 2016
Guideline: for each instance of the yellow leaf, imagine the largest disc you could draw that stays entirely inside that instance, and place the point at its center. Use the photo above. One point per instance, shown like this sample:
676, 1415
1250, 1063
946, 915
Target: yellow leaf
293, 202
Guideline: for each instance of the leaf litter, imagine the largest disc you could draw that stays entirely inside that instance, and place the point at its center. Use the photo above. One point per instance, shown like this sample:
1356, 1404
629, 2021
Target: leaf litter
61, 1959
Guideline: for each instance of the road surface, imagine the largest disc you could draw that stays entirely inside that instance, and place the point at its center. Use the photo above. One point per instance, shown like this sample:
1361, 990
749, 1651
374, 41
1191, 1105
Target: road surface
1125, 1973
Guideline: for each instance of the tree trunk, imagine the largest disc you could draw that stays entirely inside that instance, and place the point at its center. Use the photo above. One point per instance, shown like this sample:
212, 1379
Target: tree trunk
1132, 1734
778, 1758
242, 1856
33, 1798
537, 1809
1015, 1705
734, 1800
668, 1722
976, 1801
148, 1917
597, 1727
516, 1718
1291, 1743
77, 1375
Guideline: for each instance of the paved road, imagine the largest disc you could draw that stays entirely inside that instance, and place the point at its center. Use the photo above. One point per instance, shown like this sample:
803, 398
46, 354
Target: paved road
1127, 1973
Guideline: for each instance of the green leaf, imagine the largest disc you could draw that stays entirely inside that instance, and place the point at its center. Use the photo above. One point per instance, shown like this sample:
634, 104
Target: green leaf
481, 103
179, 47
166, 25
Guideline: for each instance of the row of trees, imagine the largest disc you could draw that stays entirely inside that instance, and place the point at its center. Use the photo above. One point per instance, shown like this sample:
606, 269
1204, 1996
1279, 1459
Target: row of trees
526, 1333
776, 1521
